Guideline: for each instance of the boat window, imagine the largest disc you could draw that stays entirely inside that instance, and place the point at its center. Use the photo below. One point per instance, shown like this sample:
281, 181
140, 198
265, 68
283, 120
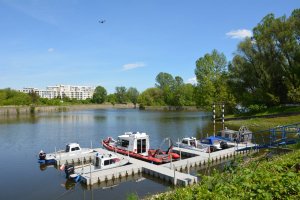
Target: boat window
76, 148
73, 149
112, 161
125, 143
184, 141
192, 143
106, 162
227, 135
139, 145
119, 142
67, 148
144, 145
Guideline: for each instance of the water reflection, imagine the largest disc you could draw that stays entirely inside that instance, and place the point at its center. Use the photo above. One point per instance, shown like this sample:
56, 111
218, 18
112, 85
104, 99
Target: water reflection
19, 119
25, 136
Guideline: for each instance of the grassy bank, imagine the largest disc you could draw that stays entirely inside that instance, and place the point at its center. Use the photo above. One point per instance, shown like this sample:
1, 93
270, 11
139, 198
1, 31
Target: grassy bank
265, 123
278, 178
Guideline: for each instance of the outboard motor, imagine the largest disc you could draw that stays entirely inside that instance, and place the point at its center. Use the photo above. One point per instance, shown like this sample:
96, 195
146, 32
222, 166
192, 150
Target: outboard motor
69, 169
223, 145
42, 155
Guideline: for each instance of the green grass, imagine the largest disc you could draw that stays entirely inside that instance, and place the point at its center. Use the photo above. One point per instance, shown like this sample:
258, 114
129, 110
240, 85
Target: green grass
279, 110
265, 123
269, 111
278, 178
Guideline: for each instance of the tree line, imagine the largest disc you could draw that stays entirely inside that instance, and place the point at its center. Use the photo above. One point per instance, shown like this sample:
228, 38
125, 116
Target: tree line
264, 72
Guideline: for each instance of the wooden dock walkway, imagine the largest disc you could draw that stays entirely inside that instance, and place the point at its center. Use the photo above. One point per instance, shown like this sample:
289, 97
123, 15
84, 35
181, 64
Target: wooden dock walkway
170, 172
201, 158
137, 167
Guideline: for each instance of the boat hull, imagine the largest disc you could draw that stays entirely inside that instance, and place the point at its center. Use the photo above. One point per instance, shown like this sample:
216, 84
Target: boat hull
149, 158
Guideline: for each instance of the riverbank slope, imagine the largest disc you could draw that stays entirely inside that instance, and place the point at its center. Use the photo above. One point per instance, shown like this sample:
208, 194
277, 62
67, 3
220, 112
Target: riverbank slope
264, 178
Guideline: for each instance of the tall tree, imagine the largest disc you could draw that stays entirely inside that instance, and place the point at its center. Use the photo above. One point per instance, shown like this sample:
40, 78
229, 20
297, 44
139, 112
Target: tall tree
266, 68
164, 80
133, 94
151, 97
99, 95
121, 96
210, 73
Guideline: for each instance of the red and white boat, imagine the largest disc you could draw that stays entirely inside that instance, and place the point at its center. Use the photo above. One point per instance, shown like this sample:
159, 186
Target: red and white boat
136, 145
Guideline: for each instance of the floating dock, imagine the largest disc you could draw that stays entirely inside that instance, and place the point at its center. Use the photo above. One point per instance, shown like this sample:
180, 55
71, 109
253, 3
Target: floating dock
169, 172
76, 159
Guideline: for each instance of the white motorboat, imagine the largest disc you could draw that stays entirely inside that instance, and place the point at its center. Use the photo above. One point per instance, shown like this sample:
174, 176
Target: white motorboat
72, 149
102, 162
225, 139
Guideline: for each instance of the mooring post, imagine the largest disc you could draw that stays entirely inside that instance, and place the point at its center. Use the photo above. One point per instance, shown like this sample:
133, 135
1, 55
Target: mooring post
223, 116
175, 182
171, 161
214, 118
90, 174
179, 150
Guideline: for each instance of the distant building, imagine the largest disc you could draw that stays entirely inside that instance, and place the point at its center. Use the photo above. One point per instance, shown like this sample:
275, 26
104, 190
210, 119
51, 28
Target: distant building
61, 91
29, 89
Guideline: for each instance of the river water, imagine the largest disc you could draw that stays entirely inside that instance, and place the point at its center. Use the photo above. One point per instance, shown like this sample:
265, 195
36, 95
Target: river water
22, 138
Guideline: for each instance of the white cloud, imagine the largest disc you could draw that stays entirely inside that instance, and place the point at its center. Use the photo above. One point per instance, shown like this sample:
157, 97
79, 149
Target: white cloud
239, 34
192, 80
50, 50
131, 66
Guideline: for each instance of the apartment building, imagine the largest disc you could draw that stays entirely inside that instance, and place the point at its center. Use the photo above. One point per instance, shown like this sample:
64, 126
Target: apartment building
61, 91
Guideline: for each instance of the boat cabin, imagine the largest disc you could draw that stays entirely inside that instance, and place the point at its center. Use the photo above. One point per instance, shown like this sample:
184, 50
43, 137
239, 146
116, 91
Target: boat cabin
243, 135
134, 141
105, 161
73, 147
190, 141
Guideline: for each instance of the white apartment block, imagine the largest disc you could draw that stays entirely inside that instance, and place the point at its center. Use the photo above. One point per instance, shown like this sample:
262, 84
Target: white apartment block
61, 91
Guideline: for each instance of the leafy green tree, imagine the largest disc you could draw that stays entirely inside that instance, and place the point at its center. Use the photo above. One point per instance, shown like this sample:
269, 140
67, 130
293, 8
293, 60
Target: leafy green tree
210, 73
188, 94
34, 97
13, 97
151, 97
121, 95
133, 94
164, 80
111, 98
99, 95
266, 67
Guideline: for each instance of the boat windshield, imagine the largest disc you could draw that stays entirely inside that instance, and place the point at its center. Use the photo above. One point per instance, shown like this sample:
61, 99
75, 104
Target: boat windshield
205, 141
123, 143
109, 162
184, 141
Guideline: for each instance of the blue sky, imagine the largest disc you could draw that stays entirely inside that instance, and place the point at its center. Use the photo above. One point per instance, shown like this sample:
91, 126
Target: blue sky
49, 42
